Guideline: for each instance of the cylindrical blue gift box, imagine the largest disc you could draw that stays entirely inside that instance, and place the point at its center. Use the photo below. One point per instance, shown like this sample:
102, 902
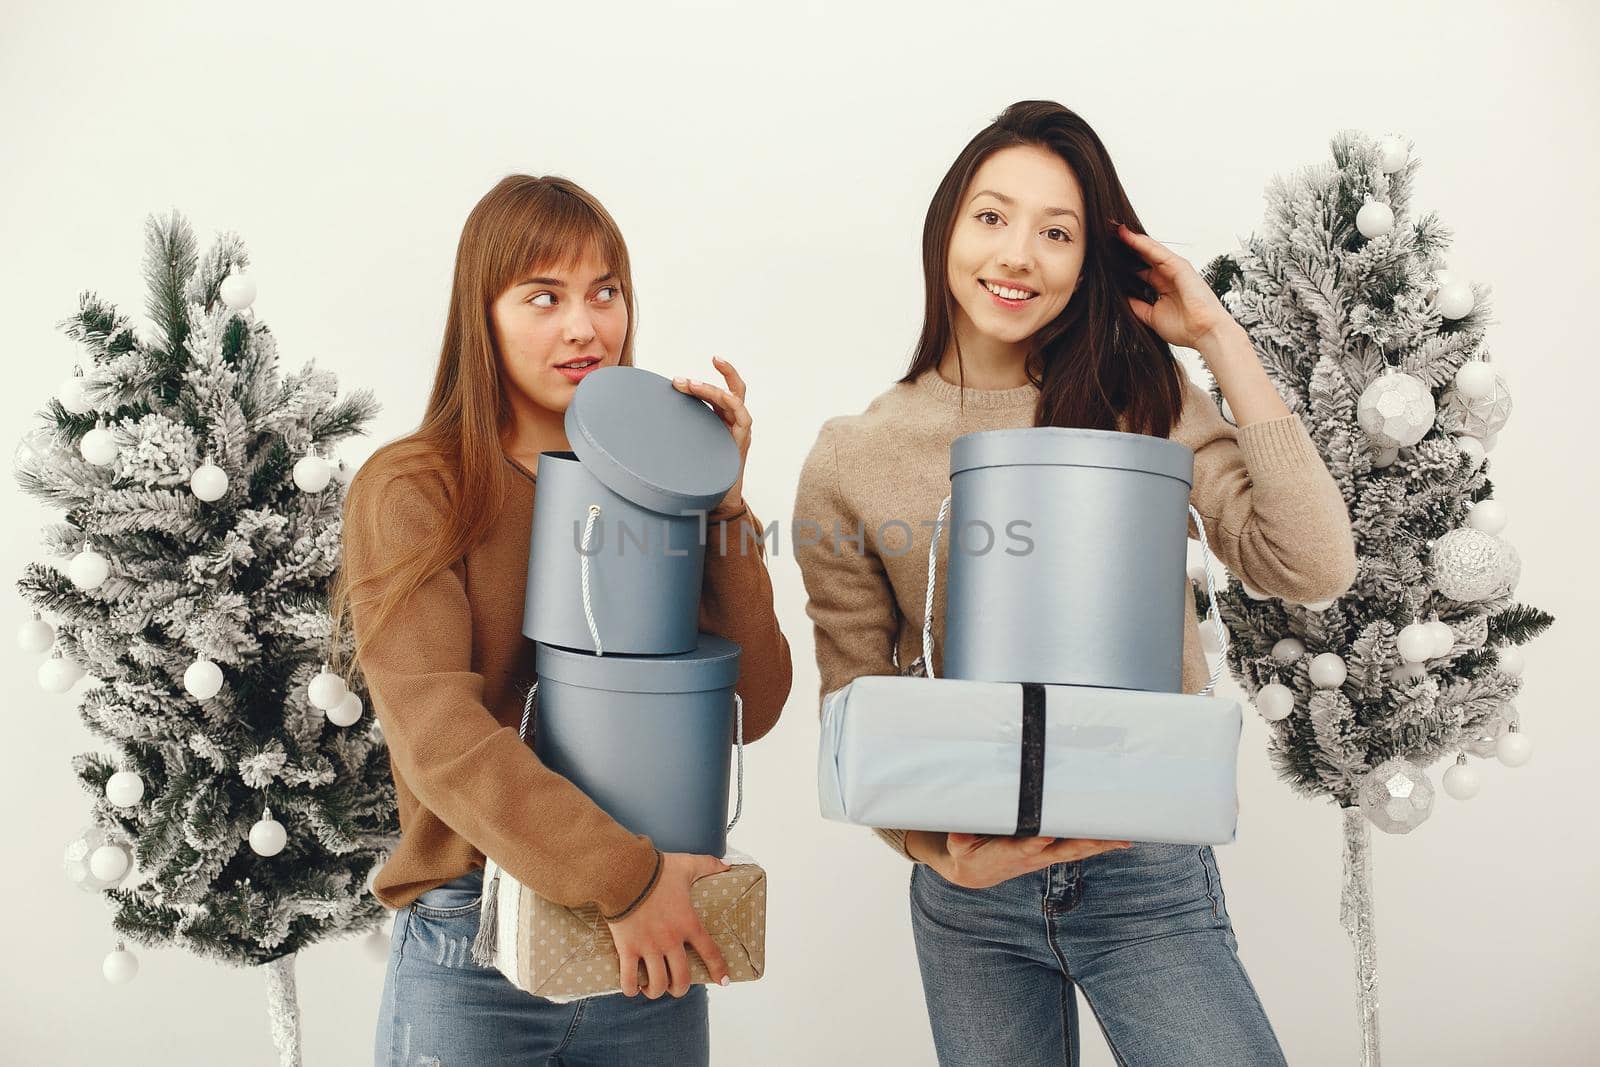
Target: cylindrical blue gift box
651, 460
1067, 558
648, 738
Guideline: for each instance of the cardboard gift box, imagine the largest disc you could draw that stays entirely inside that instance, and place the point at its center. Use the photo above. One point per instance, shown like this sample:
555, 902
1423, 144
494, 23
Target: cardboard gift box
947, 754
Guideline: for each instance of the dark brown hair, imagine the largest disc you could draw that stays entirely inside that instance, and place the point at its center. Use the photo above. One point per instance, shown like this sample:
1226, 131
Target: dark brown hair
1095, 360
522, 226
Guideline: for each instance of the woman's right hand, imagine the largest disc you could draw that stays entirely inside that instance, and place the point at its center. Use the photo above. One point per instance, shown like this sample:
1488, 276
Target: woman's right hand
655, 932
978, 861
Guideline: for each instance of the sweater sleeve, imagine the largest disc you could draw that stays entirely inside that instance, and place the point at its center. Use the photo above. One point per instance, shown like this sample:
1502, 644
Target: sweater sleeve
476, 775
849, 599
1273, 513
736, 601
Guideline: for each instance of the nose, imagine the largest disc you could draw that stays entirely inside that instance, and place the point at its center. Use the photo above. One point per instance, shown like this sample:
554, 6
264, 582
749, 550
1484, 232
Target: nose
1016, 255
577, 327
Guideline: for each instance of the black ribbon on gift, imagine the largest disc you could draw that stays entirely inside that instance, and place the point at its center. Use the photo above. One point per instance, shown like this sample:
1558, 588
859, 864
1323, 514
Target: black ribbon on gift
1030, 792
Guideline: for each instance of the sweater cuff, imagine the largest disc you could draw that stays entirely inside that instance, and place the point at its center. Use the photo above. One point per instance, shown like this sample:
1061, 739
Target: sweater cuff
895, 839
655, 876
1279, 444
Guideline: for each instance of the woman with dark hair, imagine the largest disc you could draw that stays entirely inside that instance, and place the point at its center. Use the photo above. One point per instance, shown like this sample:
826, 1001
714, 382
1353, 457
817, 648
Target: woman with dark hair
436, 536
1047, 305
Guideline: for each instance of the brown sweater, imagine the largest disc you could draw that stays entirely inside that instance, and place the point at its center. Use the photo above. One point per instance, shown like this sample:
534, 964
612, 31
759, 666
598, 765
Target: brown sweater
447, 677
1273, 515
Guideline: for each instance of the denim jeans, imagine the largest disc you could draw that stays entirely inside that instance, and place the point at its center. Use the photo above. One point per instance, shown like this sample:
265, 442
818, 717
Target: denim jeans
440, 1009
1143, 933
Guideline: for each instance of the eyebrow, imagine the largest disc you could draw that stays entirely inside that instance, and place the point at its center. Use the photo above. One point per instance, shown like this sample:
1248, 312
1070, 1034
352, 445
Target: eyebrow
557, 283
1004, 199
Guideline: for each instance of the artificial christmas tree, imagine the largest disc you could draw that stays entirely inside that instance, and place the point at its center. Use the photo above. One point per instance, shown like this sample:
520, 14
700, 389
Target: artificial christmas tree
233, 817
1380, 351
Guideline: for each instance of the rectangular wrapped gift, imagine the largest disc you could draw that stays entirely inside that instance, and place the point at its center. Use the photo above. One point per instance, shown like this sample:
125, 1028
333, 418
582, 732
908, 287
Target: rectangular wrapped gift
1018, 758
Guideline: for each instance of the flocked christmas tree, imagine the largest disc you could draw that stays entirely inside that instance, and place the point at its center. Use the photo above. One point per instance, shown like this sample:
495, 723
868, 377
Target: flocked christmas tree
1380, 350
246, 797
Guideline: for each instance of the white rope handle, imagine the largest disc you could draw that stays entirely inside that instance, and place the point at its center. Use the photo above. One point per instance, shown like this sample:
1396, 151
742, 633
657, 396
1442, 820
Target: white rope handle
1211, 592
583, 577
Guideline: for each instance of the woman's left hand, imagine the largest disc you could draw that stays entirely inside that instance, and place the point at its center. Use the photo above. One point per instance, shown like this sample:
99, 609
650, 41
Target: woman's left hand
729, 404
1185, 311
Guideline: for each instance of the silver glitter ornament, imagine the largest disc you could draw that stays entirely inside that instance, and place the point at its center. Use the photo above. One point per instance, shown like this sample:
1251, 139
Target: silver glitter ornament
1477, 417
1468, 564
1396, 796
1396, 410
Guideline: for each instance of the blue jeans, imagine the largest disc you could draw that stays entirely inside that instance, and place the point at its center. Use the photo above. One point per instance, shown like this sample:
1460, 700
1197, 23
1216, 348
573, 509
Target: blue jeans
1142, 932
440, 1009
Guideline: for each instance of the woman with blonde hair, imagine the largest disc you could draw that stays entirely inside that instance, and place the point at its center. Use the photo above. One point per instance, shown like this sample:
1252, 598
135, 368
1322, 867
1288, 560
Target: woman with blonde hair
436, 537
1047, 305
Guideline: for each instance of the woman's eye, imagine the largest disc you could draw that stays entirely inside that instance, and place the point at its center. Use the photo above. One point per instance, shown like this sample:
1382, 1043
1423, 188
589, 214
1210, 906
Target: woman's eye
534, 300
981, 214
1065, 237
613, 290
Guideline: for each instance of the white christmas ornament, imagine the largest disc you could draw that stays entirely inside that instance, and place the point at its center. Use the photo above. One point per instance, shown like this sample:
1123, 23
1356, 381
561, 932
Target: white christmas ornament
36, 635
1514, 748
1275, 701
1391, 154
88, 569
58, 674
1510, 661
1481, 417
1455, 300
238, 290
326, 690
267, 836
1483, 739
1374, 219
1328, 670
1444, 638
203, 679
1473, 449
1475, 379
1385, 457
1417, 643
75, 860
1396, 410
1468, 564
343, 471
99, 447
1461, 780
1213, 634
1288, 649
347, 712
209, 482
1488, 516
1396, 796
109, 863
73, 396
120, 966
125, 789
312, 473
1196, 570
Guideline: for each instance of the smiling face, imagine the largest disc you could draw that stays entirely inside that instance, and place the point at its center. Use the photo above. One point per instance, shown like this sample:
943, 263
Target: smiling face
1017, 248
552, 320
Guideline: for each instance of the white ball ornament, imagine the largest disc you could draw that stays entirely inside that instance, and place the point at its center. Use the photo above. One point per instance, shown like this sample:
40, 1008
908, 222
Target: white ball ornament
238, 290
202, 679
1275, 701
1444, 638
75, 860
1385, 457
1475, 379
1473, 449
109, 863
1374, 219
73, 396
99, 447
59, 673
1481, 417
1483, 739
312, 473
1396, 410
1328, 671
1196, 571
326, 691
343, 471
209, 482
1391, 154
267, 836
1213, 634
1417, 643
1488, 516
1288, 649
125, 789
347, 712
1514, 748
1461, 781
1455, 300
88, 569
120, 967
36, 635
1510, 661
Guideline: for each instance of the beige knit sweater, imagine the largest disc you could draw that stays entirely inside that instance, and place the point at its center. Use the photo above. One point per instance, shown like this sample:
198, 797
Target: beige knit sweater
1273, 515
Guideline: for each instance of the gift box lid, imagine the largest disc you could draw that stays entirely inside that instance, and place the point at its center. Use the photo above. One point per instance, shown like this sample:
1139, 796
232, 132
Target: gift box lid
712, 664
664, 450
1072, 447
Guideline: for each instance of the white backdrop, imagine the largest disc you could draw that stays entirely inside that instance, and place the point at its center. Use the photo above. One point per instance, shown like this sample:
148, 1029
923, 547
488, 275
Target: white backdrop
770, 172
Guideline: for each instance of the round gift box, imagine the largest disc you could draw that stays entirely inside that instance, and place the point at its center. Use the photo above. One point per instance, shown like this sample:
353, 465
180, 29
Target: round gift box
648, 738
654, 460
1067, 557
